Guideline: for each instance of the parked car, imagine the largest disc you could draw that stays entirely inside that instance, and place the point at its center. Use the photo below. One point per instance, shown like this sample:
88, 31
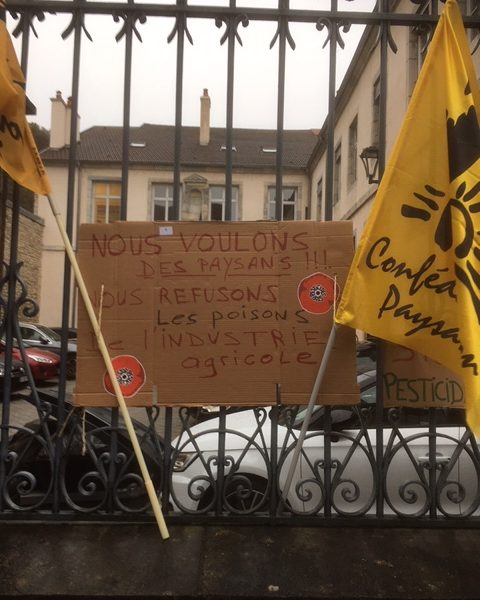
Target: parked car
43, 364
354, 480
90, 476
17, 374
44, 337
71, 332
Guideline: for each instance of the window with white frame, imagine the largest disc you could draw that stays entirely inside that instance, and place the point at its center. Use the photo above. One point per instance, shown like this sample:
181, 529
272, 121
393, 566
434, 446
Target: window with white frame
162, 201
289, 203
106, 201
217, 196
352, 151
337, 172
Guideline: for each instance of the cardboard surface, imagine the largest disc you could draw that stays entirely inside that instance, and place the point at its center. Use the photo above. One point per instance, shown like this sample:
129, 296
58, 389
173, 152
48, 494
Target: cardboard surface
216, 313
414, 380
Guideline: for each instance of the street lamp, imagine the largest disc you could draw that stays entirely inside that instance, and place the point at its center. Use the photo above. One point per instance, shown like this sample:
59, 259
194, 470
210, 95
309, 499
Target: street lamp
369, 158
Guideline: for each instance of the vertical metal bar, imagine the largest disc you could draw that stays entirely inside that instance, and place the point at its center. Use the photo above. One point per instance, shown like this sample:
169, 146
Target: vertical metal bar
127, 83
12, 271
282, 25
112, 466
382, 137
229, 133
11, 317
25, 45
222, 424
379, 425
178, 111
332, 74
274, 414
432, 460
384, 6
3, 325
168, 428
67, 282
3, 221
328, 461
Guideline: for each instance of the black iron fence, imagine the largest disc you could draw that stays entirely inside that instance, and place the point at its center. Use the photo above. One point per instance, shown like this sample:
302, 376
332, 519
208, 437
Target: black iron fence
396, 466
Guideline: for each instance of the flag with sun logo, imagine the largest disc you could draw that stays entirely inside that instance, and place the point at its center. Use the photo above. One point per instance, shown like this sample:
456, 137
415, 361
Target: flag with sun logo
415, 278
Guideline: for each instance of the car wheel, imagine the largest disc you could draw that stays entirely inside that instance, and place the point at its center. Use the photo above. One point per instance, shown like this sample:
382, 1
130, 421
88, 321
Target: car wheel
244, 493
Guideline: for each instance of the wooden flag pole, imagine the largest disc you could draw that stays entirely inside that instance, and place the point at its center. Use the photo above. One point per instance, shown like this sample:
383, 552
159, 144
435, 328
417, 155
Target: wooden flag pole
111, 372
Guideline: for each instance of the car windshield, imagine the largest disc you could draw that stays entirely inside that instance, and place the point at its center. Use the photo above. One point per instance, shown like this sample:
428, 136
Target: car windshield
49, 333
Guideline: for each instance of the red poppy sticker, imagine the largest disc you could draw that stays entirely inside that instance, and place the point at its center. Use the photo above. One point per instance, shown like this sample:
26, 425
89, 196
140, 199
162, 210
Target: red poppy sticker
317, 293
130, 375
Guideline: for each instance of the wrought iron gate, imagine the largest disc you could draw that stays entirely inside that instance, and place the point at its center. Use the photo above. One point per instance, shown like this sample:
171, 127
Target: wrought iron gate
362, 464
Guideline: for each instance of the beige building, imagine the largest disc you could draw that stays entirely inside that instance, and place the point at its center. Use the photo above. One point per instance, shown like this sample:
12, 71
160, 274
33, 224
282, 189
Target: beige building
150, 179
357, 115
151, 156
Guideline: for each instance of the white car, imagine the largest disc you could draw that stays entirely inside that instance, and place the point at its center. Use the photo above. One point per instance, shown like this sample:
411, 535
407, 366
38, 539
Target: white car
411, 485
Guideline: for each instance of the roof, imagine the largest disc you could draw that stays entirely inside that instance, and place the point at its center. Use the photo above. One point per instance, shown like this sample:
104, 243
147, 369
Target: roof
155, 145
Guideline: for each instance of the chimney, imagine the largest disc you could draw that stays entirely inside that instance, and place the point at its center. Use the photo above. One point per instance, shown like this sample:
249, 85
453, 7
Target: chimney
204, 118
60, 125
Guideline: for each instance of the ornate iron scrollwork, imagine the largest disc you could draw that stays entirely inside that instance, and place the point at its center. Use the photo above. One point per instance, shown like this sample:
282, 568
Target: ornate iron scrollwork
332, 26
180, 24
25, 20
78, 18
129, 21
232, 24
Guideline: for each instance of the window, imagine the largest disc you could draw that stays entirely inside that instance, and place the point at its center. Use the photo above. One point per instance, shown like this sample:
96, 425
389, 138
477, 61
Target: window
217, 203
289, 203
32, 335
337, 169
320, 200
472, 9
106, 201
162, 194
467, 7
419, 38
376, 114
352, 152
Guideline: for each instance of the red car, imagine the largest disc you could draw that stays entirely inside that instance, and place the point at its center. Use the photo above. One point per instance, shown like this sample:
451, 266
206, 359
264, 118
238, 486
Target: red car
43, 364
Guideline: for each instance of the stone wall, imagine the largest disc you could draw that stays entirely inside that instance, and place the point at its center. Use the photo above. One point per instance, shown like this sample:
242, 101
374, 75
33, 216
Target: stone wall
29, 251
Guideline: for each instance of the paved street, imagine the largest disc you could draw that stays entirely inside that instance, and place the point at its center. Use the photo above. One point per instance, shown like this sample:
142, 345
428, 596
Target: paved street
88, 561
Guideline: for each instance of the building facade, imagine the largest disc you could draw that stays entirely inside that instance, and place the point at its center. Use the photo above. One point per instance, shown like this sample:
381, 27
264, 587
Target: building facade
357, 126
150, 179
358, 113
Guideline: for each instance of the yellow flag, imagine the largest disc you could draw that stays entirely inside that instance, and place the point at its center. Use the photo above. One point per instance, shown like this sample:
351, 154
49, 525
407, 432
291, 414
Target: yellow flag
19, 156
415, 278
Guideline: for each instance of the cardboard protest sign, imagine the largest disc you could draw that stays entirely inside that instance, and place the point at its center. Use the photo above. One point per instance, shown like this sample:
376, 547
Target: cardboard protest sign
414, 380
214, 313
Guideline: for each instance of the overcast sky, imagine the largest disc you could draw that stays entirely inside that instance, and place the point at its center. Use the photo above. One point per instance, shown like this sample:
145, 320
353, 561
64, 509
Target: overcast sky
153, 74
